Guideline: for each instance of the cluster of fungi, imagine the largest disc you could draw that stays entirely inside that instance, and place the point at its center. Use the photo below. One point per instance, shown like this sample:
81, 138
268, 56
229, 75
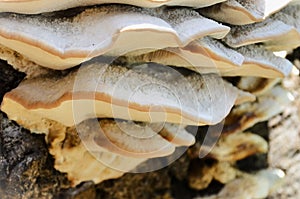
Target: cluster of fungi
115, 83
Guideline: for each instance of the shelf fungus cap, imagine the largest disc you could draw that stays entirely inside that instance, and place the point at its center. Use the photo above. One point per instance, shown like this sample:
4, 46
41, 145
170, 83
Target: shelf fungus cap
240, 12
59, 42
208, 55
21, 63
279, 32
137, 140
177, 135
237, 12
237, 146
205, 55
124, 138
72, 157
257, 85
258, 185
259, 60
147, 93
39, 6
267, 105
101, 149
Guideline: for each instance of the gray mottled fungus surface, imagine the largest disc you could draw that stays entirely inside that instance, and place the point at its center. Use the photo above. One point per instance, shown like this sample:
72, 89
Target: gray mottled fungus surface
69, 41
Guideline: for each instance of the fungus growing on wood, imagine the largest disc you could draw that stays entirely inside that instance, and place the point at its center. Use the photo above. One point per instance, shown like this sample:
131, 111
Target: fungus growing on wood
110, 117
148, 93
69, 41
40, 6
237, 146
211, 56
269, 104
258, 185
240, 12
256, 85
279, 32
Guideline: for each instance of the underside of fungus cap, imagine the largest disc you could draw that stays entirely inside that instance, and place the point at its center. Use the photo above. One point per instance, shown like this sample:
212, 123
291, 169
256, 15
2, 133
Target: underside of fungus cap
59, 42
290, 16
241, 12
150, 93
40, 6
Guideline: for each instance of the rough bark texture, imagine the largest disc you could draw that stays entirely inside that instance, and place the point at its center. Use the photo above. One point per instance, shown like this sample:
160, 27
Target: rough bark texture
26, 168
285, 139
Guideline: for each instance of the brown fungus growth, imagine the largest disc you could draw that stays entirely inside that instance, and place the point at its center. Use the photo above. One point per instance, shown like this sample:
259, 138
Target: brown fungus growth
204, 55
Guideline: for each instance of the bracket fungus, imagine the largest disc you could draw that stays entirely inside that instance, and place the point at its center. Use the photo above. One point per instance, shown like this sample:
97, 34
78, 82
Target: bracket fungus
256, 85
258, 185
269, 104
240, 12
149, 93
280, 31
211, 56
69, 41
40, 6
113, 84
237, 146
